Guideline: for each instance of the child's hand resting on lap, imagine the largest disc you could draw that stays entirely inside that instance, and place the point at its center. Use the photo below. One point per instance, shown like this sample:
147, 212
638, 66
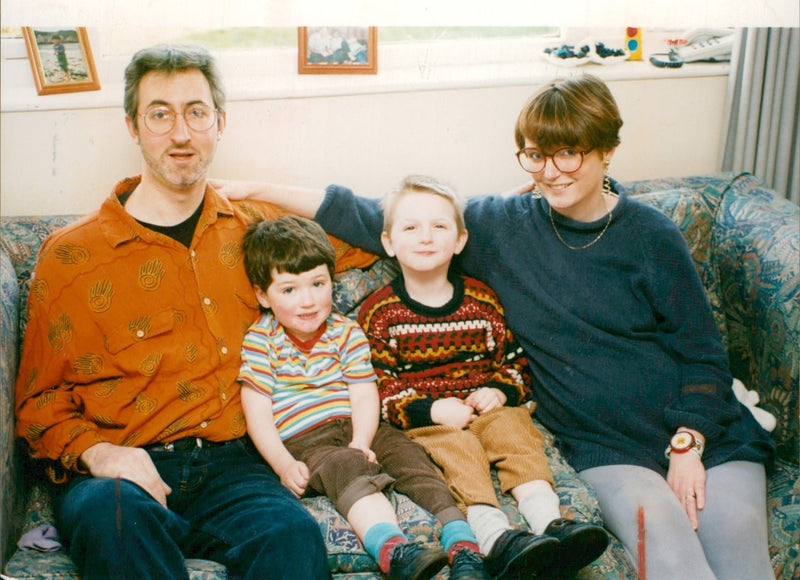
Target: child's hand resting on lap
485, 399
365, 449
452, 412
295, 476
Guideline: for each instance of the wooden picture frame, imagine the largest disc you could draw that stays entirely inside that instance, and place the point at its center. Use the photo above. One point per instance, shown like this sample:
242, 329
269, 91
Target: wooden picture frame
337, 50
68, 69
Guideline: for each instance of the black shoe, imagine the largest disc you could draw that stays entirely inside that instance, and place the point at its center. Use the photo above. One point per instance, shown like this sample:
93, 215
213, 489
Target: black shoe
412, 561
468, 565
580, 544
518, 555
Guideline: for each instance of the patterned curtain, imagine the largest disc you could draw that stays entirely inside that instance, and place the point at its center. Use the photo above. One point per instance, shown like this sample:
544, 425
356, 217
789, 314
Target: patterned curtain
763, 126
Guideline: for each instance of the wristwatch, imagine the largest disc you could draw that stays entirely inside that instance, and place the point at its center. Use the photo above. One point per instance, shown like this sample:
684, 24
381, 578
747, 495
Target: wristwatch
682, 442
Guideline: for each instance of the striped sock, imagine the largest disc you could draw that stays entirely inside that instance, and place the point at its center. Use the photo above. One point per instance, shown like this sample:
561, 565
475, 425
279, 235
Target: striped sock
380, 540
457, 532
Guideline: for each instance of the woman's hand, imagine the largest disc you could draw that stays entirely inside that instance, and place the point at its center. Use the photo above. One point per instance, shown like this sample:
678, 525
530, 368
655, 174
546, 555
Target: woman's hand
687, 478
486, 399
452, 412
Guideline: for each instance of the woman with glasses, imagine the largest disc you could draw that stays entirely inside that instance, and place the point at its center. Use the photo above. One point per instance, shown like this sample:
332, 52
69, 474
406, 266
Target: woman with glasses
630, 373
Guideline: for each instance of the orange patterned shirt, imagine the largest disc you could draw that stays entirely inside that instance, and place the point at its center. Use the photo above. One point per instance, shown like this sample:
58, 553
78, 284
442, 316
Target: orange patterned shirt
133, 338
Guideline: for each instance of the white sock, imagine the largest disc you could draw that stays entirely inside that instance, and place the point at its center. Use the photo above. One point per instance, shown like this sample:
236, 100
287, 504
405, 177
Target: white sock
488, 523
539, 506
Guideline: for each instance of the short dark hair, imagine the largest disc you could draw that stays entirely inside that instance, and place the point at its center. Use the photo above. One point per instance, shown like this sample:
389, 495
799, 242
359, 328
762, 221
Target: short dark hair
169, 59
287, 244
577, 111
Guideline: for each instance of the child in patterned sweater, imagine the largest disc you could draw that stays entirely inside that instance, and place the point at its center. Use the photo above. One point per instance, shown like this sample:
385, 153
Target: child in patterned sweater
451, 375
312, 408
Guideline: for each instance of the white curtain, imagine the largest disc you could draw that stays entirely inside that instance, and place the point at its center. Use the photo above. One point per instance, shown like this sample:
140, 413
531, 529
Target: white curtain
764, 103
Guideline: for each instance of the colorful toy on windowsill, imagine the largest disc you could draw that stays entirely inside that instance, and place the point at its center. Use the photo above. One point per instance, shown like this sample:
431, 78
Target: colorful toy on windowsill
584, 52
567, 55
604, 55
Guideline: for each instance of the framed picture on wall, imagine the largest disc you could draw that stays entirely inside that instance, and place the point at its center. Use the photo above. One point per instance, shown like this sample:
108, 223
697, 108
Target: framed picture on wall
337, 50
61, 60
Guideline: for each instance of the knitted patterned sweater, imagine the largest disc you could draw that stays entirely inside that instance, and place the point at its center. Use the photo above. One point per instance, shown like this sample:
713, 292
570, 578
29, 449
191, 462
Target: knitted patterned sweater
422, 353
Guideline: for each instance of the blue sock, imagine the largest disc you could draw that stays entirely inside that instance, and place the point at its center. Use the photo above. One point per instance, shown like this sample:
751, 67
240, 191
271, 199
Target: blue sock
456, 531
377, 536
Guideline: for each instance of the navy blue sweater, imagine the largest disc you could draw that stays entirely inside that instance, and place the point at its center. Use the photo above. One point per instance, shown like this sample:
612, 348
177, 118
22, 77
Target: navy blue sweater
619, 336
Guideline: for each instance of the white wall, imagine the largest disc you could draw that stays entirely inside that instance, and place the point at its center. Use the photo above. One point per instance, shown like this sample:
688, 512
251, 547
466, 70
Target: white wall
66, 161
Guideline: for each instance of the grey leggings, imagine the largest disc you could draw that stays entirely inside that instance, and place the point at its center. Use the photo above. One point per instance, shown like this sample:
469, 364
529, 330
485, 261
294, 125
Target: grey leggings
731, 540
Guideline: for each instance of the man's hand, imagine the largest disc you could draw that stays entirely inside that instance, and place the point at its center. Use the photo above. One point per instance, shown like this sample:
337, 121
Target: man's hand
452, 412
486, 399
520, 189
295, 476
131, 463
233, 190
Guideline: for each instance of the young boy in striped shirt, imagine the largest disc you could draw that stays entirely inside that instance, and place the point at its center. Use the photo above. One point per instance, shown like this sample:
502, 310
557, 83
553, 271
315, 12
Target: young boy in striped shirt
312, 407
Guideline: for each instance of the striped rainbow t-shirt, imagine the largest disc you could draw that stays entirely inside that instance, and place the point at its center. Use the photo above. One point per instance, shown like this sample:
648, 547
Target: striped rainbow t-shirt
306, 388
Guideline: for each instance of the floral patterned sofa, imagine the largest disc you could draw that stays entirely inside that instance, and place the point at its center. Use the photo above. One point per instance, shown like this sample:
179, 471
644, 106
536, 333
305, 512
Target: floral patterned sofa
744, 239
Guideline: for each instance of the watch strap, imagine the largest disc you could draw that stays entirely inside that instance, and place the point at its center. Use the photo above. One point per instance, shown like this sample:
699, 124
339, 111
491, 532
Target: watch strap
696, 446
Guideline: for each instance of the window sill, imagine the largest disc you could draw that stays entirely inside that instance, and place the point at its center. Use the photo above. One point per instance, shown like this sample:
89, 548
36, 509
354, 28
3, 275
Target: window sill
273, 75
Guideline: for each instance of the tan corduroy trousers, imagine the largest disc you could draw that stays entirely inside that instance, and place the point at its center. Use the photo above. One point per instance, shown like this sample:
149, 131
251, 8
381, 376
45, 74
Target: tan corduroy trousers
505, 438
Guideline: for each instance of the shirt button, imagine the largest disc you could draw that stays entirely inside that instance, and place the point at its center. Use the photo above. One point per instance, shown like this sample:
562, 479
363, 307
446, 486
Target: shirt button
204, 424
224, 350
207, 301
224, 397
140, 333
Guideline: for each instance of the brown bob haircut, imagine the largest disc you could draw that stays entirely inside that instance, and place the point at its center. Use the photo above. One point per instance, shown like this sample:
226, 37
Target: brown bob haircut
573, 112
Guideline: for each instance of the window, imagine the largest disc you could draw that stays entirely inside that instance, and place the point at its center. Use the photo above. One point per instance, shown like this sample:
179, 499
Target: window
124, 41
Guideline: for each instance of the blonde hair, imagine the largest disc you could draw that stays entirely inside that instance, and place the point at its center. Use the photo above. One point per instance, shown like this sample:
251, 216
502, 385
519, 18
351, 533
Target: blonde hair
422, 184
573, 112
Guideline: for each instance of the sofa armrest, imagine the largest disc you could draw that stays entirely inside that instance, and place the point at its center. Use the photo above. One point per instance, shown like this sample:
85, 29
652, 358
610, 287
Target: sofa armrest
9, 472
757, 243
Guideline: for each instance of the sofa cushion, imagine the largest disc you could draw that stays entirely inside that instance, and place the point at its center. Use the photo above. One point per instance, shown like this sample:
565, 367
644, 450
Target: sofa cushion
783, 511
346, 555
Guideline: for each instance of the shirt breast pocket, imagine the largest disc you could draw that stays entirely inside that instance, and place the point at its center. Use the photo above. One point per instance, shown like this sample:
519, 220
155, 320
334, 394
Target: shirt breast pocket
139, 331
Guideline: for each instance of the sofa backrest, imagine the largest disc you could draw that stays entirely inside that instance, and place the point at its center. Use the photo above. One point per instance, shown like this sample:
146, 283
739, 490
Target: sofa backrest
742, 236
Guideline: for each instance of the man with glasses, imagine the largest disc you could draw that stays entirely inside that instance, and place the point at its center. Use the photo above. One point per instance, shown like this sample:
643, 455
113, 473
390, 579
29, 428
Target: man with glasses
127, 385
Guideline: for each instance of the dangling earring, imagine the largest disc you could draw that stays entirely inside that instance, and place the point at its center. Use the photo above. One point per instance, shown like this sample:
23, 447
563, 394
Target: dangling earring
535, 191
606, 180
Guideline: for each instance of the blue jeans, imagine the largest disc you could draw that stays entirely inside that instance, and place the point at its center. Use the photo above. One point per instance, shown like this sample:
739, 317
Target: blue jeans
226, 505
